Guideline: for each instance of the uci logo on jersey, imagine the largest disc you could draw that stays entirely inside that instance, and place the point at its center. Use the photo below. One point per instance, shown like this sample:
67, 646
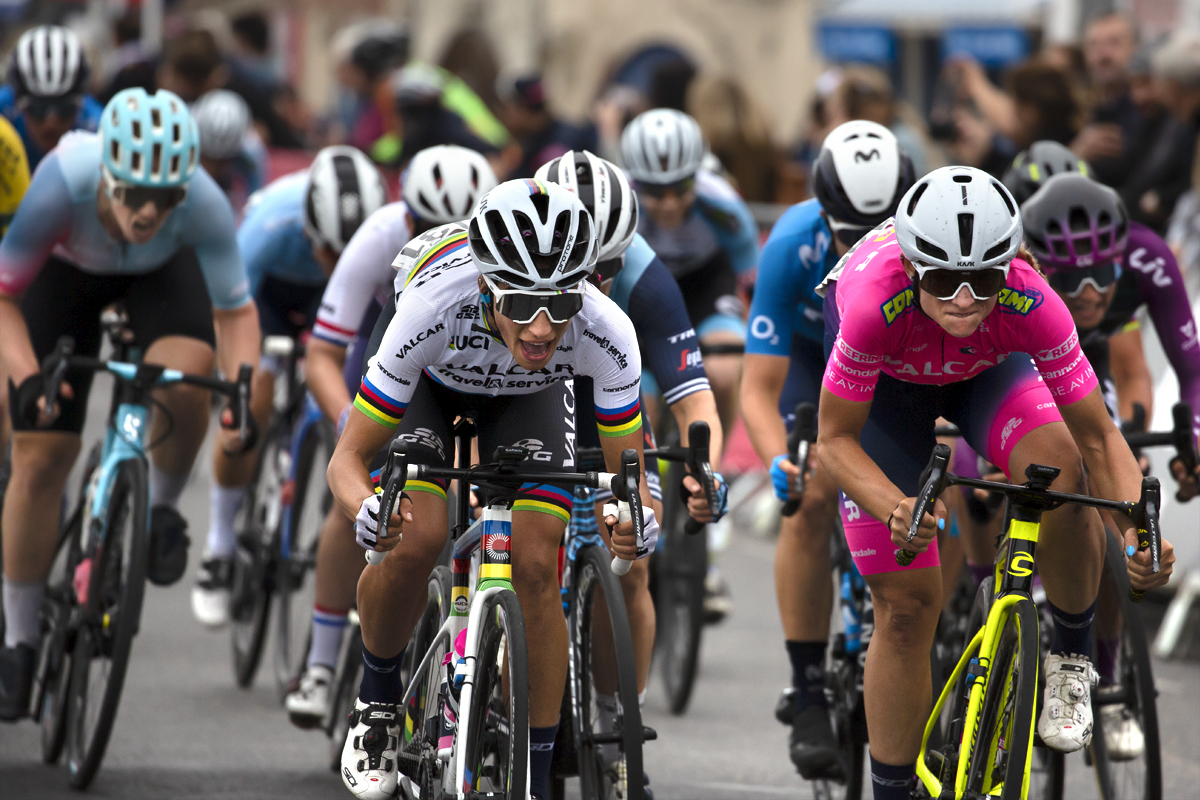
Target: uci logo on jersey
1014, 302
893, 308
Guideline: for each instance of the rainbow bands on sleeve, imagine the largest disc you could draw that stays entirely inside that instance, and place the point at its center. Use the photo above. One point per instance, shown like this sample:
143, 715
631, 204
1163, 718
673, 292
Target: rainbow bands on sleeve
378, 406
442, 248
619, 421
546, 499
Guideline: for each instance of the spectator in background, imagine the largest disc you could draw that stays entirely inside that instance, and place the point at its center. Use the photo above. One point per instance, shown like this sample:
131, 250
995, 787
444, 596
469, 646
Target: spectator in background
542, 137
1107, 141
866, 93
1163, 172
45, 96
127, 36
419, 91
669, 86
737, 134
366, 54
252, 48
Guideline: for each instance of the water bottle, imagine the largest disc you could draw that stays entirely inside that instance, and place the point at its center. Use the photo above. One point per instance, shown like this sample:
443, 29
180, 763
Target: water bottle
850, 622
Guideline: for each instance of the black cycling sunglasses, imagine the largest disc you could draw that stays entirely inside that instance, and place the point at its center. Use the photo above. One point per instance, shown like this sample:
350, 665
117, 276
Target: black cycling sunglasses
134, 197
678, 188
66, 108
944, 284
1071, 281
524, 308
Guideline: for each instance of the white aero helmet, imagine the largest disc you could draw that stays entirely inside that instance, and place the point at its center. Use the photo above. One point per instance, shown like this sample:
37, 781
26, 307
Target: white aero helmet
223, 119
860, 175
958, 218
605, 193
532, 236
344, 188
662, 146
442, 184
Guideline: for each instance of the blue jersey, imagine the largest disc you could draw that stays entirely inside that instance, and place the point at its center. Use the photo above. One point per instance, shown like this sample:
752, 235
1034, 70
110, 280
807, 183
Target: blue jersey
646, 292
59, 216
88, 119
718, 224
271, 238
797, 256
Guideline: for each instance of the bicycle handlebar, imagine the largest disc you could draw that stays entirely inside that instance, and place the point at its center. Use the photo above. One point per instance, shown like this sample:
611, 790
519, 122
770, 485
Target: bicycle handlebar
503, 473
801, 439
1180, 436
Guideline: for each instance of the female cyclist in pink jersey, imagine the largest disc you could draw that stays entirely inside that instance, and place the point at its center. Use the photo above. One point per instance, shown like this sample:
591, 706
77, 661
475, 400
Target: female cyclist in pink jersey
962, 327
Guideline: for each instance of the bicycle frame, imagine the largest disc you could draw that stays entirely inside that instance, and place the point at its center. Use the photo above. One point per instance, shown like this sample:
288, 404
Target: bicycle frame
311, 416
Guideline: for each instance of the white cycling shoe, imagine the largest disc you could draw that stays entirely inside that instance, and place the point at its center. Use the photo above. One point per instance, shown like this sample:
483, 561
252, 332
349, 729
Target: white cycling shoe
211, 594
308, 704
369, 757
1123, 737
1066, 721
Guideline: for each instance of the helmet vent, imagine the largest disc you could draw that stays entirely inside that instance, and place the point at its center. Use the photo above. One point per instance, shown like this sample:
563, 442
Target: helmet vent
174, 171
437, 175
479, 248
541, 203
962, 178
114, 151
996, 250
135, 163
474, 177
156, 120
156, 160
137, 131
912, 203
176, 133
1077, 219
931, 250
1012, 212
966, 233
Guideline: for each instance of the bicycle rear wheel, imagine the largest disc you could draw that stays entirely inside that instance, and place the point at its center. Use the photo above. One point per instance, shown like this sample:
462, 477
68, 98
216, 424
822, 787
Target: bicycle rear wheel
116, 586
254, 561
602, 653
294, 587
680, 567
1124, 775
497, 743
1006, 718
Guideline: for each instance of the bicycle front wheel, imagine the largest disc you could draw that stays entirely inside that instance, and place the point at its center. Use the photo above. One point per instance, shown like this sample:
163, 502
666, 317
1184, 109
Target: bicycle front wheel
116, 585
497, 744
1006, 718
609, 755
680, 567
1125, 738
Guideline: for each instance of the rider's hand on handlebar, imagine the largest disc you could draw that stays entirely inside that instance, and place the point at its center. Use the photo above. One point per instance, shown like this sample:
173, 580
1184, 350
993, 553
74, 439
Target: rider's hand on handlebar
30, 404
902, 519
366, 524
1138, 565
623, 543
1189, 485
782, 473
697, 503
231, 441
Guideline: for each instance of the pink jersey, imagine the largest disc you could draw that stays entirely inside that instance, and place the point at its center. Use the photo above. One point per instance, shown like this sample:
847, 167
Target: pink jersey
879, 328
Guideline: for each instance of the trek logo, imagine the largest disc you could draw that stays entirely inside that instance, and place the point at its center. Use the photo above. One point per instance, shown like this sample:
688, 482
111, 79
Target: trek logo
860, 156
689, 359
897, 305
690, 333
420, 337
1014, 302
1021, 565
470, 342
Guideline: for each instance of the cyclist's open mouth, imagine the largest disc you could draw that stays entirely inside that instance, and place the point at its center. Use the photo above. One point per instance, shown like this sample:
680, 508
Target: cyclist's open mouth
537, 351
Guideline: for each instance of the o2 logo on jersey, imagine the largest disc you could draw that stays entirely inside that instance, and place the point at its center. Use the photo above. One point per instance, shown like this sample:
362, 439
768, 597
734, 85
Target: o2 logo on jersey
897, 305
763, 327
1013, 302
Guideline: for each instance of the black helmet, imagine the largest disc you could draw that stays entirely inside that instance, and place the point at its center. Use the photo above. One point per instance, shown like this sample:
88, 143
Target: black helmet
1042, 161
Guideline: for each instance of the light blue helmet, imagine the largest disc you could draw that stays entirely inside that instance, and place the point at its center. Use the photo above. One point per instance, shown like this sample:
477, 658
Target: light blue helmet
149, 140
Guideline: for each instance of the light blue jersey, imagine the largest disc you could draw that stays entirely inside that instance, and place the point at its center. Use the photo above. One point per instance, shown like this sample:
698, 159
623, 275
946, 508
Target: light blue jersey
797, 256
271, 238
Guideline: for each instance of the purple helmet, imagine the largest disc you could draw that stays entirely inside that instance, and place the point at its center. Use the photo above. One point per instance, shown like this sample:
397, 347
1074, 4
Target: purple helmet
1073, 222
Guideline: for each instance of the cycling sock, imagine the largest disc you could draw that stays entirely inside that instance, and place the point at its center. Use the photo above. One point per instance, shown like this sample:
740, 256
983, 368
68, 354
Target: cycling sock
224, 502
808, 673
1106, 660
328, 628
541, 753
1072, 632
381, 679
165, 488
22, 603
979, 572
891, 782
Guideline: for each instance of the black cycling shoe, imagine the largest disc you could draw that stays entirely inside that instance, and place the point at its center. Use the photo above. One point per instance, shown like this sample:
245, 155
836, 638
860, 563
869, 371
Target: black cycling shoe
16, 680
785, 708
813, 747
168, 546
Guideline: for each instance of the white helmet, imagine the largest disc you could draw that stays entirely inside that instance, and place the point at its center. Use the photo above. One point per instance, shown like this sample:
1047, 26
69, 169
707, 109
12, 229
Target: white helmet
532, 235
223, 119
344, 188
958, 218
48, 61
662, 146
605, 193
860, 174
442, 184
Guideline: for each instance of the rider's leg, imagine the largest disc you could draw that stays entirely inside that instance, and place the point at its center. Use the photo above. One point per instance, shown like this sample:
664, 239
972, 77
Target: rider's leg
639, 607
724, 375
232, 474
340, 562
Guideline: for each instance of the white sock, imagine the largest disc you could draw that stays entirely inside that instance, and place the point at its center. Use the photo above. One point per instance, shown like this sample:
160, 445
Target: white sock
642, 699
224, 503
327, 631
165, 489
22, 601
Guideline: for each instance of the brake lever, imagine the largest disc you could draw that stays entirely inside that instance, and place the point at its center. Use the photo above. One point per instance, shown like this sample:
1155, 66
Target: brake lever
395, 476
1149, 531
58, 363
242, 402
933, 481
804, 432
699, 439
625, 489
